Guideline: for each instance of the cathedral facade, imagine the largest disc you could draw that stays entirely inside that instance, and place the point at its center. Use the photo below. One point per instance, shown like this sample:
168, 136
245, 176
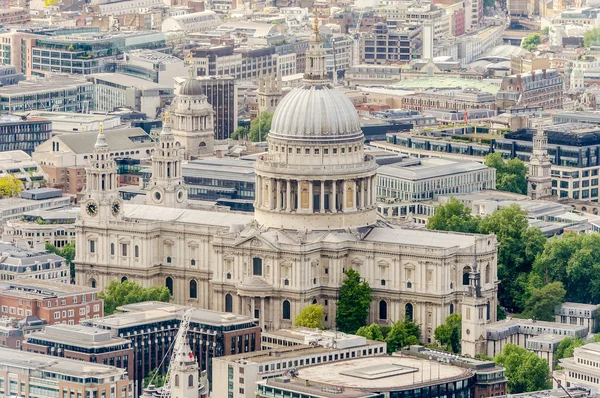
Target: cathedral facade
315, 217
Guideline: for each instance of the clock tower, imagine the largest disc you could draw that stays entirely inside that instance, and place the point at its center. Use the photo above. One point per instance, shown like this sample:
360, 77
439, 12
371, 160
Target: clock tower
539, 181
101, 201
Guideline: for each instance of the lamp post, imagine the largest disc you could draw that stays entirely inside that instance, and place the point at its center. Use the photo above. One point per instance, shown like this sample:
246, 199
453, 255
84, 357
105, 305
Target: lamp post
430, 357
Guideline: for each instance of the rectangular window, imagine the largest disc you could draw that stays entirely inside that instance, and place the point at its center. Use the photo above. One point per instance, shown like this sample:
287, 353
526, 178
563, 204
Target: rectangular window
124, 249
57, 315
92, 246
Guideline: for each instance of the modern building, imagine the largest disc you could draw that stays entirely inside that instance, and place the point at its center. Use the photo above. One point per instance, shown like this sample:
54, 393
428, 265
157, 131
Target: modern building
71, 122
193, 22
38, 227
315, 193
152, 326
20, 165
237, 63
536, 88
24, 373
117, 90
384, 46
578, 314
449, 100
14, 208
414, 180
54, 302
18, 134
58, 93
82, 343
581, 369
64, 157
413, 13
238, 374
364, 74
153, 66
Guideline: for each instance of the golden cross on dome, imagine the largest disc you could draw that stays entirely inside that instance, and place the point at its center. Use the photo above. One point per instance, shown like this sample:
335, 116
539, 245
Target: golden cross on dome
167, 117
101, 128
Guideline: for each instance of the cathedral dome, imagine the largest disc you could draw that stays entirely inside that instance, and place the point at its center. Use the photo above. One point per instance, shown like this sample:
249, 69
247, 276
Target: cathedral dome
191, 87
315, 111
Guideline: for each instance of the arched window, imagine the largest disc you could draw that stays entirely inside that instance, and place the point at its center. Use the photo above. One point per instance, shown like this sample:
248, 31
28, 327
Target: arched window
257, 266
193, 289
451, 308
383, 310
169, 284
190, 381
465, 279
487, 309
176, 380
136, 250
408, 311
286, 310
487, 274
228, 303
314, 301
112, 249
92, 282
123, 279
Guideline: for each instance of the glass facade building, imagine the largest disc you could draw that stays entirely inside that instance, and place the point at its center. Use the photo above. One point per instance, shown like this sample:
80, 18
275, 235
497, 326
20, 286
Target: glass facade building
25, 135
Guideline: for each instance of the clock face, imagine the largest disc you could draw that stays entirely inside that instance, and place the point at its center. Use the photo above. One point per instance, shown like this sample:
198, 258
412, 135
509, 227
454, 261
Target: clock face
116, 207
91, 208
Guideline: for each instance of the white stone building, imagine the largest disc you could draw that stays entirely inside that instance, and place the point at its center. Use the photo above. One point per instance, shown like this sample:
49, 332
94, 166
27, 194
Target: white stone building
315, 218
578, 314
583, 369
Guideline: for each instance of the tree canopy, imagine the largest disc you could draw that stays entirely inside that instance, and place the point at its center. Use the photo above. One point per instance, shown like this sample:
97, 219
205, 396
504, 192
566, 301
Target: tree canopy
371, 332
541, 301
260, 127
241, 133
354, 302
311, 316
454, 216
10, 186
155, 378
566, 348
511, 175
591, 37
525, 371
118, 293
531, 41
403, 333
67, 252
449, 333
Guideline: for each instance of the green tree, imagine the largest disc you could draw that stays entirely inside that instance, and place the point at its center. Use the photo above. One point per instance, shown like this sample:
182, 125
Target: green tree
449, 333
546, 31
542, 301
260, 127
525, 371
489, 3
402, 334
10, 186
50, 3
155, 378
354, 302
591, 37
453, 216
241, 133
117, 294
566, 348
311, 316
511, 176
518, 246
531, 41
371, 332
67, 252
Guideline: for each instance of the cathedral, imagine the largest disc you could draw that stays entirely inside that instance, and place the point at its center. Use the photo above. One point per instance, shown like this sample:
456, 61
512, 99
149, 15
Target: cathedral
315, 217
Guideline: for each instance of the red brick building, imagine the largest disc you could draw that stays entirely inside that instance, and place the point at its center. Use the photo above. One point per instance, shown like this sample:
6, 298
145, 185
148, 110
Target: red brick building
53, 302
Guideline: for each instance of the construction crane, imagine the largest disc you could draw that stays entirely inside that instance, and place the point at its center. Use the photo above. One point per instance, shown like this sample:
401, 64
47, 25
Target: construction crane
178, 345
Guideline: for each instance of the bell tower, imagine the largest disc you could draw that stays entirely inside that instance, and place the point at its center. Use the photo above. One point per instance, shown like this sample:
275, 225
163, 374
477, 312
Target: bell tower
269, 93
475, 312
539, 181
101, 201
166, 184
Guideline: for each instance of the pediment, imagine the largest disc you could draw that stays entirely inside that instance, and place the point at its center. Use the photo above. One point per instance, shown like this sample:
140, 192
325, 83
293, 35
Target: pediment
257, 242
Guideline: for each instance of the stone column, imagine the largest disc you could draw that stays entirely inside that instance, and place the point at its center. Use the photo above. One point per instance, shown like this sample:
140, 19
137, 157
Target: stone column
362, 193
322, 197
279, 195
311, 197
272, 194
288, 196
344, 195
252, 307
262, 313
333, 206
298, 191
369, 199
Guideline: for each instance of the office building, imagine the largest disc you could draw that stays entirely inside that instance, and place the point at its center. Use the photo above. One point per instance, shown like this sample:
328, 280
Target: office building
316, 347
8, 74
536, 88
453, 100
242, 63
64, 157
582, 369
414, 180
20, 165
153, 66
384, 46
18, 134
23, 373
191, 23
14, 16
578, 314
14, 208
58, 93
83, 343
36, 228
71, 122
116, 90
151, 327
416, 14
365, 75
52, 301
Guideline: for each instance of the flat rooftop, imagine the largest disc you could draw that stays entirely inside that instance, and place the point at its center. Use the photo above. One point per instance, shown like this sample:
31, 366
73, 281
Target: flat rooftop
382, 373
153, 311
46, 363
429, 168
45, 287
130, 81
39, 85
87, 336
